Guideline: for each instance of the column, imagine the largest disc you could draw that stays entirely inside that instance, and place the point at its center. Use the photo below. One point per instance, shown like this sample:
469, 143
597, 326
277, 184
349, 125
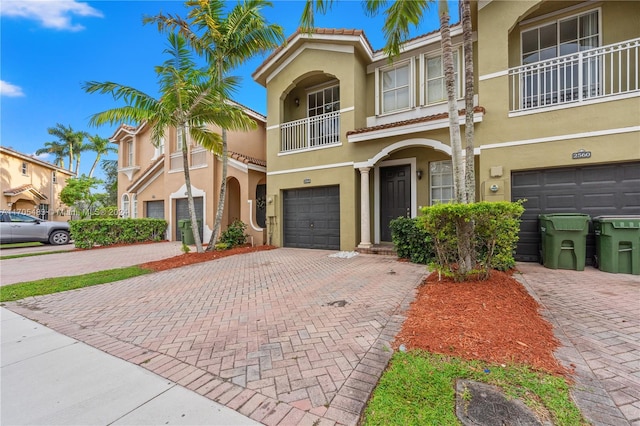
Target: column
365, 214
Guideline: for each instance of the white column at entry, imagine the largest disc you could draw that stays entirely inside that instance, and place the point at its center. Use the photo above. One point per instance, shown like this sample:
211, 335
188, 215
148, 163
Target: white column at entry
365, 214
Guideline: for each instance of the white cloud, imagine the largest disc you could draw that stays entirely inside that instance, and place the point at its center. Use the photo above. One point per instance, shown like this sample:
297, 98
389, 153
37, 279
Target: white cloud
42, 157
50, 13
10, 90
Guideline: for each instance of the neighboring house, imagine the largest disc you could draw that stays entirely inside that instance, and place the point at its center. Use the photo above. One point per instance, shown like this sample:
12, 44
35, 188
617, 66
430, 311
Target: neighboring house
354, 140
151, 179
32, 186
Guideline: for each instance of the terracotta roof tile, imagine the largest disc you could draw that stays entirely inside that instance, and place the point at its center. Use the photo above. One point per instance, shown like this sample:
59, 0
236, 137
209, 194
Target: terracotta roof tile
247, 160
428, 118
24, 188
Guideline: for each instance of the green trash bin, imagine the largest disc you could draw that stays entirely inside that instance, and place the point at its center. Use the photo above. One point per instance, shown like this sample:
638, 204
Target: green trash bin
564, 240
618, 244
187, 231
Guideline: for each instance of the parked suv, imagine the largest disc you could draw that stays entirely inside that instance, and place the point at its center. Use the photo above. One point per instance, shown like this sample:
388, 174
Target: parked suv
22, 228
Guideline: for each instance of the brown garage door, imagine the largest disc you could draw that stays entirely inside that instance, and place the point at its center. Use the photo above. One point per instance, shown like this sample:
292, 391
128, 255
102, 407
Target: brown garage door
612, 189
312, 218
182, 212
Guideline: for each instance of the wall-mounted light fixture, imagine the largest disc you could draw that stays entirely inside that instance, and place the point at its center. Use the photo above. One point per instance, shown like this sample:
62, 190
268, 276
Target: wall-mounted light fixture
494, 188
419, 174
297, 101
9, 204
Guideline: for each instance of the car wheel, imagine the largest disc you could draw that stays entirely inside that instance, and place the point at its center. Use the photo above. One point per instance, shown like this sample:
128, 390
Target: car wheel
59, 237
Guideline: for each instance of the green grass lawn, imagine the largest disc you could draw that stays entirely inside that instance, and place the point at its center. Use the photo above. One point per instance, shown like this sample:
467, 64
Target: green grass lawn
418, 388
18, 245
44, 286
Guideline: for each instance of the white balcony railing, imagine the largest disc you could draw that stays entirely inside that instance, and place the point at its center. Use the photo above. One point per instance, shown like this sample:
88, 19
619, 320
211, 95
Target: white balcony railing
590, 74
312, 132
198, 156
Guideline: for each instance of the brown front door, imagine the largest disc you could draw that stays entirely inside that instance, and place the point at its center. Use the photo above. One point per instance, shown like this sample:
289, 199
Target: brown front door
395, 196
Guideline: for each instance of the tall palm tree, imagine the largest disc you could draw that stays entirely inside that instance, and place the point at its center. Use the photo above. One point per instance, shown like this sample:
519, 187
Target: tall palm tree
101, 146
189, 101
57, 149
72, 139
226, 42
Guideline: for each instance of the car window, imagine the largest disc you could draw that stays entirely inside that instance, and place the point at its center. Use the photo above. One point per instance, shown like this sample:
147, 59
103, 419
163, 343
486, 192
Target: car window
19, 217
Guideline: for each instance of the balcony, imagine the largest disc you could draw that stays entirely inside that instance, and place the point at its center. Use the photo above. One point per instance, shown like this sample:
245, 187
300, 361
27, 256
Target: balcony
310, 133
596, 74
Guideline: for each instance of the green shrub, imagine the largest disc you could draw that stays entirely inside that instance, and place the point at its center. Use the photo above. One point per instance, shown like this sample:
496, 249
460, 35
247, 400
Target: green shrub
233, 236
495, 234
106, 232
411, 240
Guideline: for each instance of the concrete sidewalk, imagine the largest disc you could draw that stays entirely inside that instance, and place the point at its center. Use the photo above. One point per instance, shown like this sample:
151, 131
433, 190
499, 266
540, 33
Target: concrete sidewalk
51, 379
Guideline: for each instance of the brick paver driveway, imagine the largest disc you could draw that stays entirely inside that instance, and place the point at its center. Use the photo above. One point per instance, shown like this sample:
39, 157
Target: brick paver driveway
285, 336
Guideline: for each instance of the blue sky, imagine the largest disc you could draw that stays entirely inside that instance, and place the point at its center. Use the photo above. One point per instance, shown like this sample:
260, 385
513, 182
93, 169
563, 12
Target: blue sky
49, 48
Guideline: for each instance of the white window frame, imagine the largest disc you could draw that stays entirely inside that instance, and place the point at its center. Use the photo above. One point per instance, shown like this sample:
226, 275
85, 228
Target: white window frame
129, 153
179, 139
125, 206
432, 187
54, 177
379, 86
134, 205
160, 148
24, 168
558, 21
424, 78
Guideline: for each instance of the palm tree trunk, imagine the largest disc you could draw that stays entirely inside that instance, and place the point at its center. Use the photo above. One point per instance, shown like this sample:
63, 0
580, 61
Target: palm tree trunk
187, 180
223, 193
467, 34
462, 229
454, 125
93, 166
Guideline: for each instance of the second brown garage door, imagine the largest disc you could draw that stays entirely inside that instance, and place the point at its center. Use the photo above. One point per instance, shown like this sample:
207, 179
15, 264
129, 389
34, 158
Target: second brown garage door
611, 189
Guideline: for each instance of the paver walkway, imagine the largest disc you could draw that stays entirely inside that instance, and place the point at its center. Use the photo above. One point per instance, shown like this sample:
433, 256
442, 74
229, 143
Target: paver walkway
81, 261
596, 317
285, 336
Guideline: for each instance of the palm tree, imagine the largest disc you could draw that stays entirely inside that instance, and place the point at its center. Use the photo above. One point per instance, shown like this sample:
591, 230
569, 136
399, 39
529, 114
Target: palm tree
73, 141
101, 146
57, 149
226, 42
189, 100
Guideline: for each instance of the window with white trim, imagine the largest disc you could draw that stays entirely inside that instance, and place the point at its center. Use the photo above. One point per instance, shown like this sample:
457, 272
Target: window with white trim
24, 168
129, 153
435, 86
160, 148
179, 139
134, 206
54, 177
125, 206
323, 109
548, 82
441, 181
395, 88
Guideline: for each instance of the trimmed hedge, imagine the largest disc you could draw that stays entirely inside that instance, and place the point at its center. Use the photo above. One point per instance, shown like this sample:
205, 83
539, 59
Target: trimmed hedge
495, 234
411, 240
106, 232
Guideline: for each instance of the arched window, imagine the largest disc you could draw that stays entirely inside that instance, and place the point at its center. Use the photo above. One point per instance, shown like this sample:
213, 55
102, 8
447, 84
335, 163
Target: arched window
125, 206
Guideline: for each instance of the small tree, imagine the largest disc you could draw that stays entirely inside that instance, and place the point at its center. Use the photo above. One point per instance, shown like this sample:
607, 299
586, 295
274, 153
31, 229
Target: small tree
77, 194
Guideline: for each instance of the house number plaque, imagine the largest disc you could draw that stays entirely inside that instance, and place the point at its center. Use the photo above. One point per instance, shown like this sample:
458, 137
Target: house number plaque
581, 154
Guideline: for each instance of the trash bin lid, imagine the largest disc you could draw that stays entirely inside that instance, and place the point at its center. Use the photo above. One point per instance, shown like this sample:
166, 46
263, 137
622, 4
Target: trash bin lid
620, 221
566, 221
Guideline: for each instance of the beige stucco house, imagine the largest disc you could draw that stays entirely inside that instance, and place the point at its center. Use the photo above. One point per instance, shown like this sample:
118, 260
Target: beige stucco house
151, 179
354, 141
32, 186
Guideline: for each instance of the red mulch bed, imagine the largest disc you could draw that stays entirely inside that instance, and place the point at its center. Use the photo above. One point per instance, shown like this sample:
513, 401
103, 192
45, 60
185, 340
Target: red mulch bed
193, 257
494, 320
